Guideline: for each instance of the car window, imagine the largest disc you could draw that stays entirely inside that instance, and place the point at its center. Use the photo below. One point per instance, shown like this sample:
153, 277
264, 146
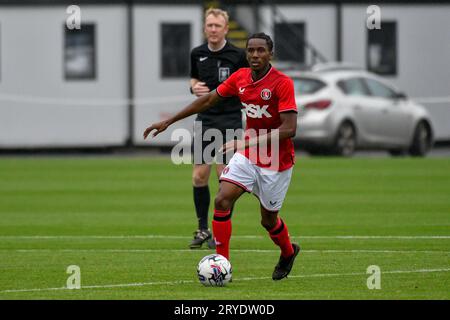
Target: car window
353, 87
307, 85
378, 89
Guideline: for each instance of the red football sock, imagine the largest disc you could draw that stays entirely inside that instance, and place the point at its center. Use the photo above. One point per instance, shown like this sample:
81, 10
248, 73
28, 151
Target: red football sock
280, 236
222, 232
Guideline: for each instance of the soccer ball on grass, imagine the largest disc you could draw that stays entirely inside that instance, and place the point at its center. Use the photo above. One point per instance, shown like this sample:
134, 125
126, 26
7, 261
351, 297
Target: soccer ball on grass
214, 270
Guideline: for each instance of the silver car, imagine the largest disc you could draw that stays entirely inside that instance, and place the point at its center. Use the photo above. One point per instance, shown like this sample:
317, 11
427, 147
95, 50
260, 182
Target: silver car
343, 110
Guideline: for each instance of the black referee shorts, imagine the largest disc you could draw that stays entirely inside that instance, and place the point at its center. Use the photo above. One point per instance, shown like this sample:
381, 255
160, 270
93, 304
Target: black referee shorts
207, 141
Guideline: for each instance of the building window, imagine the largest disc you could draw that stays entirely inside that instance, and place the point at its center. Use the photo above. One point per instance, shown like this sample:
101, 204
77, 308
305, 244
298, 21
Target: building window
289, 41
176, 46
382, 49
79, 53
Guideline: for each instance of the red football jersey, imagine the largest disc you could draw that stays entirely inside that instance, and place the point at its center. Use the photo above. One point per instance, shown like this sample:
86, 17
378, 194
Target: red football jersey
263, 101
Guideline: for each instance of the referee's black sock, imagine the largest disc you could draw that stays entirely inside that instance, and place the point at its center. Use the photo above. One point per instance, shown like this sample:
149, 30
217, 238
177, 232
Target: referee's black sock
201, 201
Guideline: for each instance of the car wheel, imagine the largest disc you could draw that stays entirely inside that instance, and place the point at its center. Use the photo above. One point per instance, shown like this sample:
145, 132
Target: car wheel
421, 141
345, 142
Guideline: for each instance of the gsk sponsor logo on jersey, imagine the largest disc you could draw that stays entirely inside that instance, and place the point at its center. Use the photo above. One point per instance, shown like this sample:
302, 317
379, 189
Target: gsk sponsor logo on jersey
256, 111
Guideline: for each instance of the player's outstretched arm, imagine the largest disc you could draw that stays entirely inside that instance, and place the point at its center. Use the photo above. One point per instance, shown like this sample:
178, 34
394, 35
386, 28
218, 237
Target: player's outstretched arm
198, 105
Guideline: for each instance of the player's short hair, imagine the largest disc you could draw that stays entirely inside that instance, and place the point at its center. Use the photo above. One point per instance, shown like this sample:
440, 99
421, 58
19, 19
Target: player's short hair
262, 35
217, 12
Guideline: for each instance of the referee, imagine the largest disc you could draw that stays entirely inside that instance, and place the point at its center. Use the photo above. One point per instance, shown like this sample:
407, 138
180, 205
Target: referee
211, 64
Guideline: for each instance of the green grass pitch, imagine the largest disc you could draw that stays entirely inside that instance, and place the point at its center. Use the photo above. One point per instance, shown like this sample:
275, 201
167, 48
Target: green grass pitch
127, 222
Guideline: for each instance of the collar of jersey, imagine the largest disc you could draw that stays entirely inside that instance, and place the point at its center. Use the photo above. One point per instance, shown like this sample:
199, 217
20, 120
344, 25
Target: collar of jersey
257, 81
215, 51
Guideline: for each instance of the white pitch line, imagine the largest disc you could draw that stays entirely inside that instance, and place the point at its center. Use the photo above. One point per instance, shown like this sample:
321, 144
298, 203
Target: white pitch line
232, 250
121, 285
141, 284
155, 236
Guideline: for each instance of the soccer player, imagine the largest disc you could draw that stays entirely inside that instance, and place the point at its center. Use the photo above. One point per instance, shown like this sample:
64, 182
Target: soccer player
268, 98
211, 64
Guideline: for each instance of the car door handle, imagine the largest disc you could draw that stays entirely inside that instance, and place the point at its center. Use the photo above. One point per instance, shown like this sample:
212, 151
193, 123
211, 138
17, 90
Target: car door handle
357, 107
385, 110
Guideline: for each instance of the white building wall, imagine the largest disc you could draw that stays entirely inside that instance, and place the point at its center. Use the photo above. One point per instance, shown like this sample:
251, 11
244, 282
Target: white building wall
423, 51
38, 107
156, 98
245, 17
320, 25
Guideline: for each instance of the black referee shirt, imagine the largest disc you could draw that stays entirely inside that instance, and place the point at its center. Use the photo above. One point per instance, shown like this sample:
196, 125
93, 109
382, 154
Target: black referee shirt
214, 67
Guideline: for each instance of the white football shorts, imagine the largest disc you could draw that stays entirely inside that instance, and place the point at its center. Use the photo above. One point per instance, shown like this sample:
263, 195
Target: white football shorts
269, 186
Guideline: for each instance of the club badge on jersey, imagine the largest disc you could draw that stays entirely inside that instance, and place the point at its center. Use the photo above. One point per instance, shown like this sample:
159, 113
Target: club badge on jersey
266, 94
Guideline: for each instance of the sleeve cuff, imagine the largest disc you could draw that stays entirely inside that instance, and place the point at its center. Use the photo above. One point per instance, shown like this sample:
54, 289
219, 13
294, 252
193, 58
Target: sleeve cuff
288, 110
221, 95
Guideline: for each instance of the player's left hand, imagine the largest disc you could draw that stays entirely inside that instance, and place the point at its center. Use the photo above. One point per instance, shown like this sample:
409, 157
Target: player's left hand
159, 127
234, 145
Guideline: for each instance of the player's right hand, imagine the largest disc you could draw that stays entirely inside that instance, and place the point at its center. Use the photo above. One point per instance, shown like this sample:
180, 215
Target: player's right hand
200, 89
159, 127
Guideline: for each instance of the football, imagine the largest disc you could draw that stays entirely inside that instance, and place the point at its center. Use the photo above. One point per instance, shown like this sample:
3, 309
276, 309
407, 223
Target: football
214, 270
